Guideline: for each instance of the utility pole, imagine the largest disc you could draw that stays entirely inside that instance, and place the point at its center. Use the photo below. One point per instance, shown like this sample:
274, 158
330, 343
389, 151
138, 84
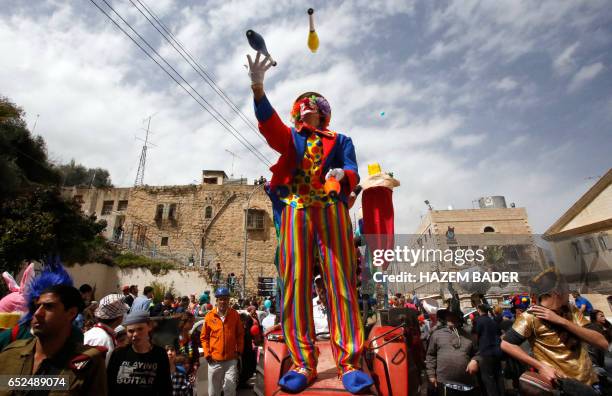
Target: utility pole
246, 235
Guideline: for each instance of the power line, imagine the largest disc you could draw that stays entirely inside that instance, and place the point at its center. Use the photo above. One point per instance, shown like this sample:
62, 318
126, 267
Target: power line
199, 70
245, 143
254, 149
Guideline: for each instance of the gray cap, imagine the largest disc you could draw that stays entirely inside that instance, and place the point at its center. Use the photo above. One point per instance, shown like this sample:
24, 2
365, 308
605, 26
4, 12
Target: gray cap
139, 316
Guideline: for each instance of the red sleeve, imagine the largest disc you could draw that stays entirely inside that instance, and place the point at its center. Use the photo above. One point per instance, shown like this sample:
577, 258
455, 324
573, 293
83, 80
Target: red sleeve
276, 133
352, 179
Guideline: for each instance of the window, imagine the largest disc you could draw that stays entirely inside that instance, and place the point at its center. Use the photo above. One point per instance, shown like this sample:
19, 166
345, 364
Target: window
172, 212
603, 242
107, 207
489, 229
210, 180
208, 212
159, 212
589, 245
122, 205
255, 220
164, 241
576, 249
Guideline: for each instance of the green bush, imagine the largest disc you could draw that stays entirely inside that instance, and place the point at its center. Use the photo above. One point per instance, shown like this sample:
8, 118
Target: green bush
130, 260
160, 289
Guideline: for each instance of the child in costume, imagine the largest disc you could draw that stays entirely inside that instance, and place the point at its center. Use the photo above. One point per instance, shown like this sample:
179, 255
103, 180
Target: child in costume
14, 304
307, 219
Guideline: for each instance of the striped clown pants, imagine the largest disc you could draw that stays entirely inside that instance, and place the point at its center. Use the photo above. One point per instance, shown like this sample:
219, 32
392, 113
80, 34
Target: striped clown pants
328, 230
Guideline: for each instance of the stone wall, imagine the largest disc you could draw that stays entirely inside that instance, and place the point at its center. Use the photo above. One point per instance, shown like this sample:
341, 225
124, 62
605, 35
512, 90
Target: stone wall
201, 223
110, 279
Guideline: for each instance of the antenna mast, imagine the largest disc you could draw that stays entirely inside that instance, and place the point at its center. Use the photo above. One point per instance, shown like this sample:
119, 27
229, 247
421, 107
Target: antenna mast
234, 156
143, 159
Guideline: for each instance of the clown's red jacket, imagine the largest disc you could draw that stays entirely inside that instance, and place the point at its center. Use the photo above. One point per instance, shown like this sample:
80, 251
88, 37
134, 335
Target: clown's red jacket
338, 150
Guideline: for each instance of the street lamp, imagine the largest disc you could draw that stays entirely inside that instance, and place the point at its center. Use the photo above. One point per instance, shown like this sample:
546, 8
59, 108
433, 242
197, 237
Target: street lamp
246, 215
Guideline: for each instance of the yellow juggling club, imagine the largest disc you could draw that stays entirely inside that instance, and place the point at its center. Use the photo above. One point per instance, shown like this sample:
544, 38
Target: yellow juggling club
313, 39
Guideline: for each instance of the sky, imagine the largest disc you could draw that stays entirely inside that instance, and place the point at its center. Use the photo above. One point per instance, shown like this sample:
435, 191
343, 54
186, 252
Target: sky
459, 99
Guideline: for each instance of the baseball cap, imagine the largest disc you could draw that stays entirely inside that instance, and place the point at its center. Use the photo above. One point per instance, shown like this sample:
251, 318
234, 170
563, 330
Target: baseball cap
135, 317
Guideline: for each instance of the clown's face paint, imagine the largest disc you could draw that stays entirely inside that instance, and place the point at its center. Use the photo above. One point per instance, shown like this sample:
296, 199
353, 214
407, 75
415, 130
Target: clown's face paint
312, 110
312, 118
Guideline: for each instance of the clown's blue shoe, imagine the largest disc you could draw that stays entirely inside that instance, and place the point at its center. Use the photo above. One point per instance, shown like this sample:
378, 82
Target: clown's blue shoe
356, 381
296, 380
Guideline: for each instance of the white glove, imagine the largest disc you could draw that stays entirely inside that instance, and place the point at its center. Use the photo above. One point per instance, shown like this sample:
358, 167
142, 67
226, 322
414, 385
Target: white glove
258, 69
338, 173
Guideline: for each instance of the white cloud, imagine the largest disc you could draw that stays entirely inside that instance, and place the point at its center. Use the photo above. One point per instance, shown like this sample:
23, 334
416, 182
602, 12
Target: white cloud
565, 62
505, 84
519, 140
479, 34
584, 75
93, 87
469, 140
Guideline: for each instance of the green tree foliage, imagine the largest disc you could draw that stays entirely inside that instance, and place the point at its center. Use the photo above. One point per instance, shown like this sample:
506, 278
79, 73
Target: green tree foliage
160, 289
41, 223
130, 260
35, 221
74, 174
23, 158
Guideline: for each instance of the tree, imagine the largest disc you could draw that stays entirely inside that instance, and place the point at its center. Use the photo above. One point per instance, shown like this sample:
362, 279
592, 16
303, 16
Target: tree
23, 158
35, 221
74, 174
41, 223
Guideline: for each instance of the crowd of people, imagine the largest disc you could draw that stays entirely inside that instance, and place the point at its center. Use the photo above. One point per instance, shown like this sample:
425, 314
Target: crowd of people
125, 343
539, 340
532, 343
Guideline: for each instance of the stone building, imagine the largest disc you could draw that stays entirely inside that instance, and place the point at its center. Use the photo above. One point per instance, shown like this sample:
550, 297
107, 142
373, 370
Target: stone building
195, 226
581, 239
503, 233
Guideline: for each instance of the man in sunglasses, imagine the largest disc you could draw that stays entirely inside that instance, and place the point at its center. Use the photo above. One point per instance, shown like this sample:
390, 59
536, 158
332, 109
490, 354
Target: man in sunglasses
555, 330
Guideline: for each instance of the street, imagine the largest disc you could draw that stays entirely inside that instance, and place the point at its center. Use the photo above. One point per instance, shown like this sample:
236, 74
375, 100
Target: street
202, 385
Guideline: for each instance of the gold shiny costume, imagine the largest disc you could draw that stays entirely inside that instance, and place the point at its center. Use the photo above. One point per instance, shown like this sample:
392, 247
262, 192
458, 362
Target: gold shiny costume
556, 346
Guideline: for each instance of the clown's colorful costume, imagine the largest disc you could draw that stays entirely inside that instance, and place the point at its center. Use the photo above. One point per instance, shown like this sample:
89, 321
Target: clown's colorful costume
308, 219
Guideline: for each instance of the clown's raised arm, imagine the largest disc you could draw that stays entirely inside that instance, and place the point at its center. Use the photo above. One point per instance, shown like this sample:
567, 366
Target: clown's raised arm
276, 133
312, 111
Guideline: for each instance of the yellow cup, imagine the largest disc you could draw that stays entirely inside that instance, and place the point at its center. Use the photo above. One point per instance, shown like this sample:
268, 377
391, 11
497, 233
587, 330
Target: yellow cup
374, 169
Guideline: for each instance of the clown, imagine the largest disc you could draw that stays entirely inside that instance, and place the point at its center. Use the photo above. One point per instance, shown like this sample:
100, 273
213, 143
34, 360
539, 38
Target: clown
308, 220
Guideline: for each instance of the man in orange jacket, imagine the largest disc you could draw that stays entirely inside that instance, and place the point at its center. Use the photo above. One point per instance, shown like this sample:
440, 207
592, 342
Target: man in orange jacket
222, 340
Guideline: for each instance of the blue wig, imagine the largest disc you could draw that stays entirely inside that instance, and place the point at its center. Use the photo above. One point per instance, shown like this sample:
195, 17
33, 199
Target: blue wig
53, 273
